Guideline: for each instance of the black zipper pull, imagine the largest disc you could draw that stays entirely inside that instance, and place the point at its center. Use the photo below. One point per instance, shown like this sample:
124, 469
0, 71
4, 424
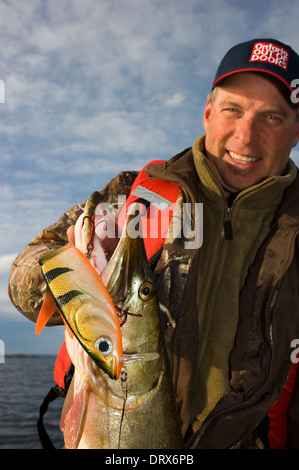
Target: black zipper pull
227, 224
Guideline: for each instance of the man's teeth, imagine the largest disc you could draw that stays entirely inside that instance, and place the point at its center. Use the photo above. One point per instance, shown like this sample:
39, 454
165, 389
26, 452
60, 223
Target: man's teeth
242, 158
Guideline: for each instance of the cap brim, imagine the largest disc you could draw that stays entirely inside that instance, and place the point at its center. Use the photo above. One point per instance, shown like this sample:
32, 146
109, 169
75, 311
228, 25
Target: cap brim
223, 77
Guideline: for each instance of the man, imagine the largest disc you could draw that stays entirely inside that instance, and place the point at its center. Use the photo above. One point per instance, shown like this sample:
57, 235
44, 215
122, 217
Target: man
232, 305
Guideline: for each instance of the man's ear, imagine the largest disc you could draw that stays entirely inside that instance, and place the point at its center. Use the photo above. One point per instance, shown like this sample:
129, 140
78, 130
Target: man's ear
206, 114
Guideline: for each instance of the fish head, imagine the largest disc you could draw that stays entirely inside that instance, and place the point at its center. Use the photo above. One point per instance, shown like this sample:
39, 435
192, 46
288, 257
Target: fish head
130, 282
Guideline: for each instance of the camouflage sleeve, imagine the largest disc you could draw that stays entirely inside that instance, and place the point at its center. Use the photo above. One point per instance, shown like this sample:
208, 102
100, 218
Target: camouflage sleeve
26, 286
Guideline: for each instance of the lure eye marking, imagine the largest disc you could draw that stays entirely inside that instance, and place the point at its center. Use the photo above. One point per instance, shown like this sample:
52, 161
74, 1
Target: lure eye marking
104, 345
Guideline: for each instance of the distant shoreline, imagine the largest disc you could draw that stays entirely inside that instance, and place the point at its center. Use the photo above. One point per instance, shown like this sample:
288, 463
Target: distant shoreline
26, 355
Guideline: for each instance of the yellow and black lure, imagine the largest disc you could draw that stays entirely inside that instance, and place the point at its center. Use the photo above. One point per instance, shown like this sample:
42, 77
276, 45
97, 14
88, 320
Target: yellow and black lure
78, 292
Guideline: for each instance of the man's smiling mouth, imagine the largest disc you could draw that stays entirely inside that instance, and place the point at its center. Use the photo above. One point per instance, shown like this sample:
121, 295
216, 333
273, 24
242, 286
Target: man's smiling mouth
241, 158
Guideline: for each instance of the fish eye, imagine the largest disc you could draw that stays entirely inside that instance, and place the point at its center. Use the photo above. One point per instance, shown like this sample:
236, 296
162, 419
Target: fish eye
146, 291
104, 345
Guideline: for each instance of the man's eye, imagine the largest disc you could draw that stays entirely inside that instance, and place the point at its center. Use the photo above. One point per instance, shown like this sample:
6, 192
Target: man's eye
231, 110
271, 116
272, 119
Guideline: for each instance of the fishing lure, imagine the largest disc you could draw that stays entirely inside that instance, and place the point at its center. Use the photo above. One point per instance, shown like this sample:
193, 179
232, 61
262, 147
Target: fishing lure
78, 292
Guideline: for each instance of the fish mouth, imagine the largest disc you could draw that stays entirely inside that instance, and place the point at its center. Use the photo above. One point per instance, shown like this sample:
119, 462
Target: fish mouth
117, 363
128, 358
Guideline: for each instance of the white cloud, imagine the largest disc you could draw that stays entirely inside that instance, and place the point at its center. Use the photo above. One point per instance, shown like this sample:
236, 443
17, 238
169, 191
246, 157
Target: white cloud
175, 100
6, 262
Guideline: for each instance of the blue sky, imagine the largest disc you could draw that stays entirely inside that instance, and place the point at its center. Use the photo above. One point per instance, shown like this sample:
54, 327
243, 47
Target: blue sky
93, 87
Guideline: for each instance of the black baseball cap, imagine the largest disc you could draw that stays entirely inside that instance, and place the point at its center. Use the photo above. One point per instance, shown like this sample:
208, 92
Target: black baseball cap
262, 55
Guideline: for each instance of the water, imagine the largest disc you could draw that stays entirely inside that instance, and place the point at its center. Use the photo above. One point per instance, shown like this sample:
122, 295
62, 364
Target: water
24, 382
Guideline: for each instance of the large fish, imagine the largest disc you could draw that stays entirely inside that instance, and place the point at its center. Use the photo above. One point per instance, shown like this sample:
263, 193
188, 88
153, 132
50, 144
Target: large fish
136, 408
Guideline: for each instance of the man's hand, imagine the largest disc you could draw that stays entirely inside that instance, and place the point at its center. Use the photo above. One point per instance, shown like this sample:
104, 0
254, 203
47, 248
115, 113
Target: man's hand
71, 234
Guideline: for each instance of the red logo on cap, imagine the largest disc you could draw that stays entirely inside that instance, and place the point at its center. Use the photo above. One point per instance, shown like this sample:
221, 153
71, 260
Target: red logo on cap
271, 53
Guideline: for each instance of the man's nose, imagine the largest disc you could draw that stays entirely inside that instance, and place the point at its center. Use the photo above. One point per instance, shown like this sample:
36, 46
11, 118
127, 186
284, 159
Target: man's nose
246, 130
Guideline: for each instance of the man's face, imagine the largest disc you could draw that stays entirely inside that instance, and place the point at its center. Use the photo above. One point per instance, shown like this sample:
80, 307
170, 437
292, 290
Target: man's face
250, 131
